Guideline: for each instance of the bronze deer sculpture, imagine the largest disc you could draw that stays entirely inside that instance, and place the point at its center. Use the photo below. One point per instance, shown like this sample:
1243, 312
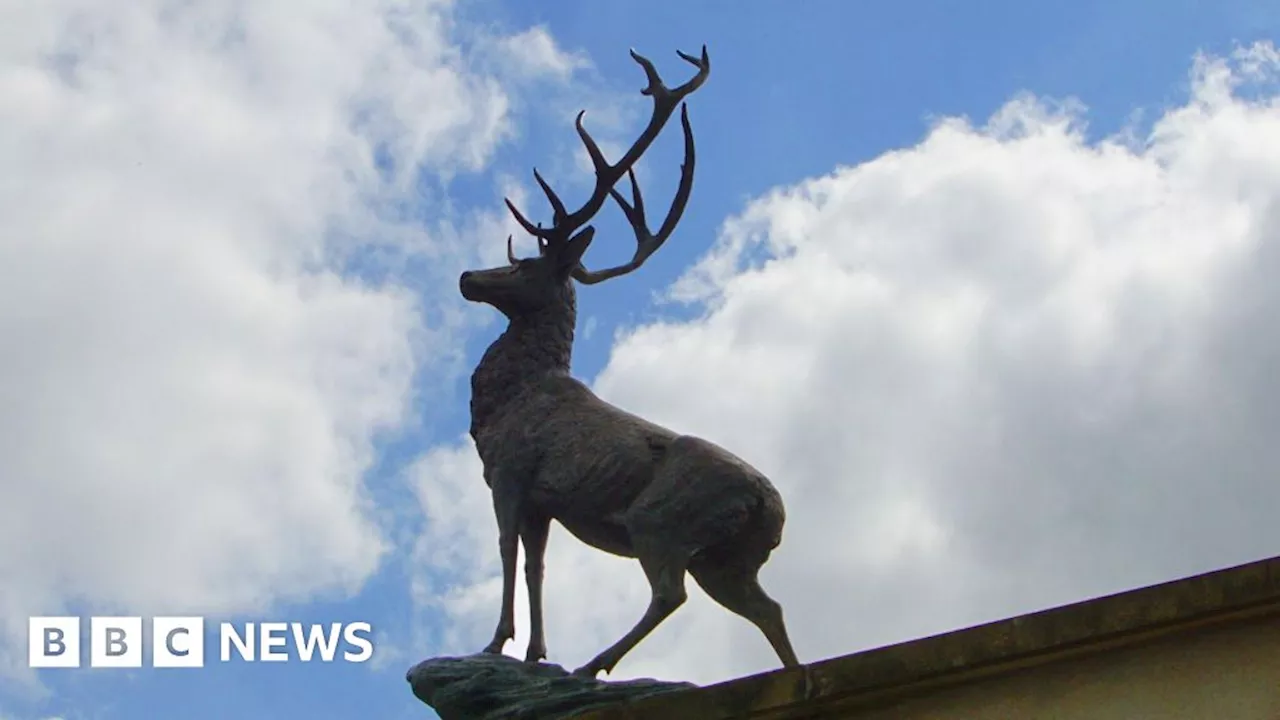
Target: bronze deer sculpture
553, 450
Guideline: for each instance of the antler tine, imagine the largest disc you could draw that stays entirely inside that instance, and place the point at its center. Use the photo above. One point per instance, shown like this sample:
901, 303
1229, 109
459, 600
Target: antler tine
608, 174
520, 218
686, 180
557, 207
646, 242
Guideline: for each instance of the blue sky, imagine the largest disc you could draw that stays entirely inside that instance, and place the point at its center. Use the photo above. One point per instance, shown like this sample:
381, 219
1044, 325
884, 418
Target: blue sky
797, 90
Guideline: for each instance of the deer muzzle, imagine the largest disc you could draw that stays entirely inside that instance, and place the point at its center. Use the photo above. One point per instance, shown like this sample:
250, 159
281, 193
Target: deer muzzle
467, 285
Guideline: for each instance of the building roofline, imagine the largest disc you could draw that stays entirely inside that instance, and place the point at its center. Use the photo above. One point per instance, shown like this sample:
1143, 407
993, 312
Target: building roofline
881, 674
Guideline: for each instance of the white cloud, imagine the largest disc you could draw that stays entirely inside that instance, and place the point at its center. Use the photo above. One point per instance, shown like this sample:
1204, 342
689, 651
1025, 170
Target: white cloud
1003, 369
534, 52
191, 383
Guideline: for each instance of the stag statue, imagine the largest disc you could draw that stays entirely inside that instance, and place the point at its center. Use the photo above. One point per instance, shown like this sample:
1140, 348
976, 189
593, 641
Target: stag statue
552, 450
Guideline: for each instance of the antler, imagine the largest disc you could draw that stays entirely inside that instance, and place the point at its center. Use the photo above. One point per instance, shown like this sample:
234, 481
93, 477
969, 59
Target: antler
665, 100
646, 242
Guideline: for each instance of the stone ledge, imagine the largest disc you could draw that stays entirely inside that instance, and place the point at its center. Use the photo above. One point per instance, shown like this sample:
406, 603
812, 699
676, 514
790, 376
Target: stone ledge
497, 687
883, 674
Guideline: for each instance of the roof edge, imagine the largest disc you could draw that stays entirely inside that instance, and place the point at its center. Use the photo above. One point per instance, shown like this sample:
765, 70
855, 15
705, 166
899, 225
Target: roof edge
877, 675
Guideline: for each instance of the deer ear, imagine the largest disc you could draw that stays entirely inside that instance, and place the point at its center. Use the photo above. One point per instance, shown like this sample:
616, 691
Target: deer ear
574, 249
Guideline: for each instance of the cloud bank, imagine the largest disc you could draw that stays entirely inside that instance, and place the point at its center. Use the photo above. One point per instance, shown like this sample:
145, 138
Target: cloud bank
201, 226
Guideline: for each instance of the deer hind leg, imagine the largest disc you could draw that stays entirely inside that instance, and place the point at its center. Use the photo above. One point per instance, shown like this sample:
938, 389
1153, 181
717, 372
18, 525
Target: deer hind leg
665, 567
533, 532
738, 590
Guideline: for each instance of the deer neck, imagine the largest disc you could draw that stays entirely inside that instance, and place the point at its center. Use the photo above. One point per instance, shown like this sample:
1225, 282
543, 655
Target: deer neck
532, 347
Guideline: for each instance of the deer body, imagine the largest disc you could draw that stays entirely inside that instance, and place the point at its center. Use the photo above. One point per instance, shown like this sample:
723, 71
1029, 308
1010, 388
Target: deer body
553, 450
595, 467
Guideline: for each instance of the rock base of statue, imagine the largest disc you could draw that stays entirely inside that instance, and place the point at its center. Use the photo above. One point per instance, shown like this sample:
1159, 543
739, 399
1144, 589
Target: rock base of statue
487, 687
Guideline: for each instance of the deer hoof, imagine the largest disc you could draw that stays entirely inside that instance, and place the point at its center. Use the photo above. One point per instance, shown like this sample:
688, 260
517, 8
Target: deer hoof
587, 671
535, 654
495, 647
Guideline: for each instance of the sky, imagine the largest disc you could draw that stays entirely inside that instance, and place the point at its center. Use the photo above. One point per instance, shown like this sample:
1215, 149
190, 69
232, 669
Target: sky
986, 290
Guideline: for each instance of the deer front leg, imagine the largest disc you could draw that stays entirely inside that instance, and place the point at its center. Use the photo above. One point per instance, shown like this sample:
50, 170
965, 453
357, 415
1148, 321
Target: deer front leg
533, 531
506, 507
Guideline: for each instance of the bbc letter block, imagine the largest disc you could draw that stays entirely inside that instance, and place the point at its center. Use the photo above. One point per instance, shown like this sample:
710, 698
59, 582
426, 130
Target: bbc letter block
115, 642
177, 642
53, 642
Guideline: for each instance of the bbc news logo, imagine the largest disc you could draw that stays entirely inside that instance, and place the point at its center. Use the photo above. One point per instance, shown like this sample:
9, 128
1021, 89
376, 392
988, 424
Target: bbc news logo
179, 642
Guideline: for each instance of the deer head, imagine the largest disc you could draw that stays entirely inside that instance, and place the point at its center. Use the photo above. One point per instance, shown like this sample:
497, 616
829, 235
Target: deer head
527, 286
